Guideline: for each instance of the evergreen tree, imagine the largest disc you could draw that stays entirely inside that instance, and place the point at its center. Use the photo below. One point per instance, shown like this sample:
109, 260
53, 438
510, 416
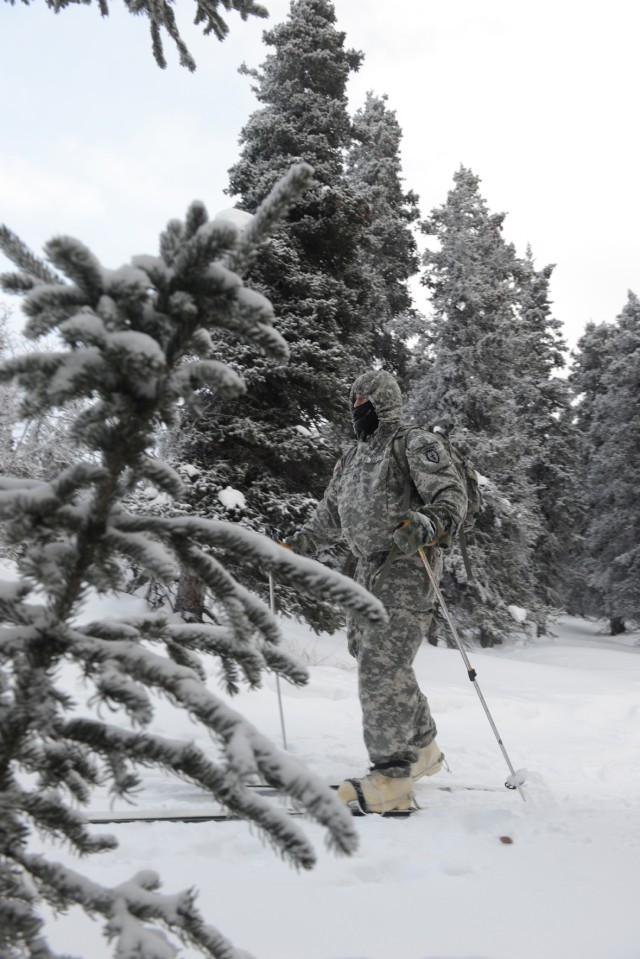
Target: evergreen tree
275, 446
607, 376
544, 401
161, 17
586, 380
389, 253
135, 343
473, 277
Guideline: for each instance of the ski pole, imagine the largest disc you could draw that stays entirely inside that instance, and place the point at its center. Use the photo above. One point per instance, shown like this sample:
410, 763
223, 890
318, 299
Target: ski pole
272, 603
515, 780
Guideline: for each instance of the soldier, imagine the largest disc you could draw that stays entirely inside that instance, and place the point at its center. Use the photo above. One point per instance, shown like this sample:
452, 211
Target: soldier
368, 505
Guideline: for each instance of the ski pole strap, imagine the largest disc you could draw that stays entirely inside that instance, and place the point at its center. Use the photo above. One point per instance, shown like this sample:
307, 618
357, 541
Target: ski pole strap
380, 579
393, 553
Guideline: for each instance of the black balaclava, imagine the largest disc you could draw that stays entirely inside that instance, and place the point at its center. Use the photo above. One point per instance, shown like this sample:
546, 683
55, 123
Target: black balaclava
365, 420
383, 406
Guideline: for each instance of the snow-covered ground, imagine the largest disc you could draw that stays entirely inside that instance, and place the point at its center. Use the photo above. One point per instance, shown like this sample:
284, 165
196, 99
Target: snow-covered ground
442, 883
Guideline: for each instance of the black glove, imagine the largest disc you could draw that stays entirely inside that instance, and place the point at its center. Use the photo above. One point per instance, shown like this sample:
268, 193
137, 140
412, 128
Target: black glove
300, 543
415, 531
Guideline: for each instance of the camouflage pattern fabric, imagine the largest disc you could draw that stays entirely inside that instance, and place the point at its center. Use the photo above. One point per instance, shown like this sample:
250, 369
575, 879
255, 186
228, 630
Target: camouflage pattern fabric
397, 720
363, 505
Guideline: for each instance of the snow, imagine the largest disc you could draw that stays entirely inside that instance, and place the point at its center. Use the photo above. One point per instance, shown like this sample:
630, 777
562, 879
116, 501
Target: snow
232, 498
189, 470
83, 364
155, 497
255, 303
239, 218
443, 883
517, 613
138, 349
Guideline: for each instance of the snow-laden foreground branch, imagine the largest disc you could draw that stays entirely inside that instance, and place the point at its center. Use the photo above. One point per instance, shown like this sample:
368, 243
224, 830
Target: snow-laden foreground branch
136, 345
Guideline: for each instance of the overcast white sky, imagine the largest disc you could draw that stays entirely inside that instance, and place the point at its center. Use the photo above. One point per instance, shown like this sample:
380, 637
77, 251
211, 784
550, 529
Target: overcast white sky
538, 97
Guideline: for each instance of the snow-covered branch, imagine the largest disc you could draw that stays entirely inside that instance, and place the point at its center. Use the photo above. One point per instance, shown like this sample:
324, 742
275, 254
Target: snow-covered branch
137, 343
161, 16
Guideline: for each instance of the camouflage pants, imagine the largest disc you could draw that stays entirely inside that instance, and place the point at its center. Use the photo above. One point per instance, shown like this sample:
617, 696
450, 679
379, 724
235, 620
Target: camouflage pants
396, 718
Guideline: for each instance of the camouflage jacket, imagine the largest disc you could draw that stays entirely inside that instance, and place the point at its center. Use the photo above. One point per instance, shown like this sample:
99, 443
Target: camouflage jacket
363, 503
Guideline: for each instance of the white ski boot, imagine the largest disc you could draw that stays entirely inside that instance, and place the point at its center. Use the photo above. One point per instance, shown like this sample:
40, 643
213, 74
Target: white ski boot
430, 760
377, 793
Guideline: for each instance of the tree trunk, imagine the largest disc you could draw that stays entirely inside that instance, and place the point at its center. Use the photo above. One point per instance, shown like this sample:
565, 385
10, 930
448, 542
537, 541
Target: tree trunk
190, 598
486, 639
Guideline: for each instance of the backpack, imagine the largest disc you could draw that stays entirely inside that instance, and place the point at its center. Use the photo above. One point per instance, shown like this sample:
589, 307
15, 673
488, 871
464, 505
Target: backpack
467, 473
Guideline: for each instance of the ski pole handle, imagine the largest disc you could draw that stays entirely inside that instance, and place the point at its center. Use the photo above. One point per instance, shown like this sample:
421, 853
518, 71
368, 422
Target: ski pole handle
433, 542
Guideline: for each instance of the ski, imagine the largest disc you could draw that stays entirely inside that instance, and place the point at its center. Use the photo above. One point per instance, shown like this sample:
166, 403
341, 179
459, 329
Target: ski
107, 818
354, 809
392, 814
102, 819
471, 789
265, 790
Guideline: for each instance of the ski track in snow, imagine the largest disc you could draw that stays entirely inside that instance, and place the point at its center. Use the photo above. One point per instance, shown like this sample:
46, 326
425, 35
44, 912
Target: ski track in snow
440, 885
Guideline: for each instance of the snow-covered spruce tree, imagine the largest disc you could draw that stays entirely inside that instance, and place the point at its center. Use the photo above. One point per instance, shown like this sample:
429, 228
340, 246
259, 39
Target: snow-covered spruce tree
389, 252
272, 445
589, 362
137, 341
472, 275
611, 462
544, 404
161, 17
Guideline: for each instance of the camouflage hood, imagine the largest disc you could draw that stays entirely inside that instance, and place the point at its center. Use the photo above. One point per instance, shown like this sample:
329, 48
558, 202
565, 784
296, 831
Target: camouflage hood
382, 389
